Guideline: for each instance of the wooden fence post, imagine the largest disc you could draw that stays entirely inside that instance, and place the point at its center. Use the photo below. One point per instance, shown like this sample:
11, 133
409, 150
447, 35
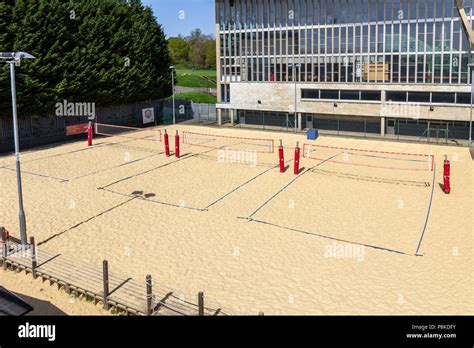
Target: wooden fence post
201, 303
34, 262
149, 295
105, 268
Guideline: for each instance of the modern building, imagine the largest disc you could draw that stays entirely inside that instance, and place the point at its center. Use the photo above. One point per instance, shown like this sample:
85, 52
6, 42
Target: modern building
389, 67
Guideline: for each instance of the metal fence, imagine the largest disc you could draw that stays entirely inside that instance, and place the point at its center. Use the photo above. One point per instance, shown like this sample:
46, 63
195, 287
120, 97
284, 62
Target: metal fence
187, 111
42, 130
440, 132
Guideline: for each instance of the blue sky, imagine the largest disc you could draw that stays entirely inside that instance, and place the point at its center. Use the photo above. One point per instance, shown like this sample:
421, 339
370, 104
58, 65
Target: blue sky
195, 13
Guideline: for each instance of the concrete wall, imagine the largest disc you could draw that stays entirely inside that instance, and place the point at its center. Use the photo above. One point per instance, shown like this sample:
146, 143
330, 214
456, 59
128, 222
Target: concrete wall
281, 97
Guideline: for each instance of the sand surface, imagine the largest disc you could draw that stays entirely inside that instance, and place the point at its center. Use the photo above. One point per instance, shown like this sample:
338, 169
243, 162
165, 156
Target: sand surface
46, 299
340, 238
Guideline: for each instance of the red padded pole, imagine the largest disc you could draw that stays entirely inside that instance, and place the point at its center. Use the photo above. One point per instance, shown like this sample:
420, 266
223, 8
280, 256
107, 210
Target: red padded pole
89, 134
167, 144
297, 159
447, 177
176, 145
282, 157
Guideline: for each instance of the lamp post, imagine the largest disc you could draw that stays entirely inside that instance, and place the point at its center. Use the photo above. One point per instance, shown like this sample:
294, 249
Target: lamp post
12, 58
472, 102
172, 85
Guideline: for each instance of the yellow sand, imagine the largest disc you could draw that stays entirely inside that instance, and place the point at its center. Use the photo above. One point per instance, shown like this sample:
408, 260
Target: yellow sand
340, 239
48, 300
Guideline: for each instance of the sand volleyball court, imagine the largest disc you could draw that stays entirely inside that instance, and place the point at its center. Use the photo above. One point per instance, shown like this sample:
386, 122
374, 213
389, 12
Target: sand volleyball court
380, 195
365, 227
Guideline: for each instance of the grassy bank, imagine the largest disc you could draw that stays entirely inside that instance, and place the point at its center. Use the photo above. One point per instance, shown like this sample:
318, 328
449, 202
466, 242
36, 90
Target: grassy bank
195, 78
196, 97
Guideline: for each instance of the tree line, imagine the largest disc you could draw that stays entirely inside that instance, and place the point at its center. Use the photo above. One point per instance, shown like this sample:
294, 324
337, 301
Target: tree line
196, 51
102, 51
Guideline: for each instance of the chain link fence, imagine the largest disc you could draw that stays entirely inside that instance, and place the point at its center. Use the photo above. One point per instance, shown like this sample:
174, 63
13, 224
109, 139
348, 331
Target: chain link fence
43, 130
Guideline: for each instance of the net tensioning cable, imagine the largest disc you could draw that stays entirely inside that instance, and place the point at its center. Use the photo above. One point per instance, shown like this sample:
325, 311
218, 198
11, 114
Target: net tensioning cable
370, 158
229, 142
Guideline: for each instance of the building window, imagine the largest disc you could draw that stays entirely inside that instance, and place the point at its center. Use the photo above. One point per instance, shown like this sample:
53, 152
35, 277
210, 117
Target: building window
350, 95
310, 93
396, 96
335, 94
371, 95
448, 98
463, 98
419, 97
390, 41
329, 94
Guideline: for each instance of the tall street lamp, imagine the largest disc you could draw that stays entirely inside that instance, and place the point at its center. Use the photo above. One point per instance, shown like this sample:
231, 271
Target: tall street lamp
472, 101
12, 58
172, 84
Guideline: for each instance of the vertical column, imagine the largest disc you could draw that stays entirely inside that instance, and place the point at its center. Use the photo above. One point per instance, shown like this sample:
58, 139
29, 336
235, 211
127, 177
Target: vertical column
3, 233
149, 295
218, 52
300, 123
33, 257
201, 303
219, 117
232, 115
105, 273
383, 112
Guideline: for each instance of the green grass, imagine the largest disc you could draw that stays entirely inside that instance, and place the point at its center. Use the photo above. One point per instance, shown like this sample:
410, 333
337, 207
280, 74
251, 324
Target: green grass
197, 97
194, 78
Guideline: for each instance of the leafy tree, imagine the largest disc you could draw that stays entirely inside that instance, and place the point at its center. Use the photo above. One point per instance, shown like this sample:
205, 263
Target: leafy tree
102, 51
196, 51
211, 54
179, 49
198, 43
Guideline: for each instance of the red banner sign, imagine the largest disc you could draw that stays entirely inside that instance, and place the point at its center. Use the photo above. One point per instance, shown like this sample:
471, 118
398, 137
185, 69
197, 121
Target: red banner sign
77, 129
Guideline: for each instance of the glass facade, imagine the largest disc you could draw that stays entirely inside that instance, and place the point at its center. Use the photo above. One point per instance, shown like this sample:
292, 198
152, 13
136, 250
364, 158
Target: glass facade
342, 41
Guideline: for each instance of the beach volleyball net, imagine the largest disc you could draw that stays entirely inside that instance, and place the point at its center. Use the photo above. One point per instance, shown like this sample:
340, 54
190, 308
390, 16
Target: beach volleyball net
370, 158
228, 142
152, 134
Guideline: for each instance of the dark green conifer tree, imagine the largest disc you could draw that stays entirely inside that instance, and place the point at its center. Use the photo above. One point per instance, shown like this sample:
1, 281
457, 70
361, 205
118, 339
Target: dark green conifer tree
102, 51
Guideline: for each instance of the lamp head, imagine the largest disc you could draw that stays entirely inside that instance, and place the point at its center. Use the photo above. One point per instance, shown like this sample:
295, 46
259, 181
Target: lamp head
23, 55
15, 56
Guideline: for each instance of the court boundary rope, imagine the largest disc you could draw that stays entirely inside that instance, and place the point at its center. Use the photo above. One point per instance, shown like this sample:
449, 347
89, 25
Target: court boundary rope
117, 166
60, 180
206, 208
328, 237
428, 213
287, 185
244, 184
251, 219
153, 200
